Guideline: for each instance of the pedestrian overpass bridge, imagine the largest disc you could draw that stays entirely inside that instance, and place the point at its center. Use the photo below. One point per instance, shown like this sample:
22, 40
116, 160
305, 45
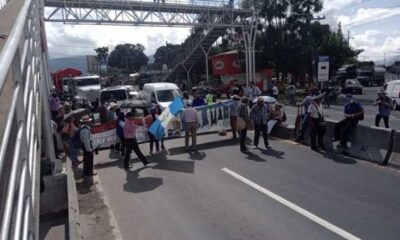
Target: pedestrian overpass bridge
25, 122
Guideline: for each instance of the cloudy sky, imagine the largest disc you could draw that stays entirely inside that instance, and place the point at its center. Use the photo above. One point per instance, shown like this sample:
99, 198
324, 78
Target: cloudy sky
373, 26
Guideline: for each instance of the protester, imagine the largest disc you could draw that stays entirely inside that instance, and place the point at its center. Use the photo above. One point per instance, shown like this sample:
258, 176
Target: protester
55, 105
67, 108
237, 89
210, 97
148, 121
185, 98
233, 107
252, 92
120, 132
198, 100
191, 122
317, 125
243, 113
260, 114
353, 113
305, 118
69, 131
131, 142
86, 139
278, 113
291, 93
111, 111
384, 104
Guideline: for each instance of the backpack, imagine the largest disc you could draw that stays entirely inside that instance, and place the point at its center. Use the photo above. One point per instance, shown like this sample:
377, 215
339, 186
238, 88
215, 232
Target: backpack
76, 138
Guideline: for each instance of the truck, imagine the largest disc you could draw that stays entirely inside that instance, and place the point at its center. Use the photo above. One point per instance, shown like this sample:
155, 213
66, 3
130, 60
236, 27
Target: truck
60, 79
84, 86
370, 76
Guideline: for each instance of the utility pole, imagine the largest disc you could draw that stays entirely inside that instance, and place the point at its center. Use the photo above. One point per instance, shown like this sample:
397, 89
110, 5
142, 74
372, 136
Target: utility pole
314, 53
348, 38
384, 59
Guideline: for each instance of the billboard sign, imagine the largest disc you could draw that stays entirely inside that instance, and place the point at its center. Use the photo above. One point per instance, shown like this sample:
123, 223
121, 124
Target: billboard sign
323, 69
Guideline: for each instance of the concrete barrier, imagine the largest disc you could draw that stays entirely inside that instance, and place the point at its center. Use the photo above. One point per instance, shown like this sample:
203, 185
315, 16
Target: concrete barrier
368, 143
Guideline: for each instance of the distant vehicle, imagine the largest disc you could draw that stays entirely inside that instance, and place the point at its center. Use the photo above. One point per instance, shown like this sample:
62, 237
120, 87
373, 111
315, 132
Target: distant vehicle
203, 87
352, 86
370, 76
348, 71
161, 93
60, 79
392, 89
84, 86
119, 93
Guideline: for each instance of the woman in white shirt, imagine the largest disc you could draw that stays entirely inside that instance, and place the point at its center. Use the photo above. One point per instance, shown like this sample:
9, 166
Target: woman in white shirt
317, 127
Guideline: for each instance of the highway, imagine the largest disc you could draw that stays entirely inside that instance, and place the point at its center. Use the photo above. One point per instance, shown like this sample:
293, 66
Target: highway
288, 192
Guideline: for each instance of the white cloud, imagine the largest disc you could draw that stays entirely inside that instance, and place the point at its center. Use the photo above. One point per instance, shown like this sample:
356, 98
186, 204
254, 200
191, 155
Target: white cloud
364, 16
374, 48
333, 5
69, 40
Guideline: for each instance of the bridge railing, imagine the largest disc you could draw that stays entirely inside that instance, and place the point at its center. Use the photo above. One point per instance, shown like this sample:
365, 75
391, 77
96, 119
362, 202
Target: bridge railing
3, 3
24, 80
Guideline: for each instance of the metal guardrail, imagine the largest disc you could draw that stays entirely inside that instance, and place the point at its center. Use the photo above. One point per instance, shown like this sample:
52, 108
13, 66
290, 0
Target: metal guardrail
3, 3
24, 63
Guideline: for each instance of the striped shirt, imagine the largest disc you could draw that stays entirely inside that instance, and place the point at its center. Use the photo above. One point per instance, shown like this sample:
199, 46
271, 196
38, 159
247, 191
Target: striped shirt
130, 129
260, 115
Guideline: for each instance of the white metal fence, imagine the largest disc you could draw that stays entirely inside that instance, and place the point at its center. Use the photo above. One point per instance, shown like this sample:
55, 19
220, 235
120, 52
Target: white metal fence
23, 63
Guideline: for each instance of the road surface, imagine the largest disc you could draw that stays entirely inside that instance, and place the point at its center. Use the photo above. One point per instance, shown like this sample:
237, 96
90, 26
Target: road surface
288, 192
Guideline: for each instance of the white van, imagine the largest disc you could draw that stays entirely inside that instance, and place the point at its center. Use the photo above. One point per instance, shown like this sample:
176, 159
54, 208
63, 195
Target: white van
392, 89
161, 93
119, 93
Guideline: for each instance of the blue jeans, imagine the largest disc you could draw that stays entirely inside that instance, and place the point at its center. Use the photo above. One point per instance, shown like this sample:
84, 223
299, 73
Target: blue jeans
73, 152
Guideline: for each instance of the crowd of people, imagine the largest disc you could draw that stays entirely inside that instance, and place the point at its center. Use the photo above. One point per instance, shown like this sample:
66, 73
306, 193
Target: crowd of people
246, 112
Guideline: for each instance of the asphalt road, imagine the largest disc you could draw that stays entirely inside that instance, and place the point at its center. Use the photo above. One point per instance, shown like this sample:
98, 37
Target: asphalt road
288, 192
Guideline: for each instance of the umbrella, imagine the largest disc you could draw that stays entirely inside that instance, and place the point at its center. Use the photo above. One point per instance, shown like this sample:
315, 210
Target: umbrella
267, 99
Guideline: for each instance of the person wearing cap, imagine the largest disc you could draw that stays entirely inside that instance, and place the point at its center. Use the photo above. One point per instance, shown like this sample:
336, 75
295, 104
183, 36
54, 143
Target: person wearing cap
317, 129
243, 112
353, 113
252, 92
87, 146
191, 122
131, 142
69, 130
260, 114
384, 104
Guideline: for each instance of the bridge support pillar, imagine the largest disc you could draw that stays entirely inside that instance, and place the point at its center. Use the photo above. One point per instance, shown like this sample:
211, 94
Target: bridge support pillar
206, 54
188, 68
249, 31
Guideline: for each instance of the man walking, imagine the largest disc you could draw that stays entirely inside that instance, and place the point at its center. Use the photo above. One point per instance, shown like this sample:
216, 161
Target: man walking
86, 139
252, 92
384, 104
191, 122
260, 114
353, 112
131, 142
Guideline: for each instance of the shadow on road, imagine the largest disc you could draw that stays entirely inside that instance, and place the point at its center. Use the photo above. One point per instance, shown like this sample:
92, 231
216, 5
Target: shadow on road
136, 184
196, 155
338, 158
254, 157
273, 153
204, 146
172, 165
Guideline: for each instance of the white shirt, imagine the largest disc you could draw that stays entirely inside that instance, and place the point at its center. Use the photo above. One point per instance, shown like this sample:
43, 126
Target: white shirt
275, 90
313, 109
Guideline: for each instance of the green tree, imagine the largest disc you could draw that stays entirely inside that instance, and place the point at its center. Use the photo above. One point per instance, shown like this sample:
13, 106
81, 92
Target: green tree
166, 54
128, 57
102, 56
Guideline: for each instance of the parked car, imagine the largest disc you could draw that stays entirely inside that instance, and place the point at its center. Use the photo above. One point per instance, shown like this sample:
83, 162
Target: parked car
352, 86
392, 89
119, 93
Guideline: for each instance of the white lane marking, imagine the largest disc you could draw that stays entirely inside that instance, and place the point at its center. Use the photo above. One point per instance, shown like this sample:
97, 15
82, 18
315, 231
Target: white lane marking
294, 207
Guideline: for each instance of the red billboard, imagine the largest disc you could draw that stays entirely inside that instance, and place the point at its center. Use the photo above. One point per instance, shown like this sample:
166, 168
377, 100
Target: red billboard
226, 64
